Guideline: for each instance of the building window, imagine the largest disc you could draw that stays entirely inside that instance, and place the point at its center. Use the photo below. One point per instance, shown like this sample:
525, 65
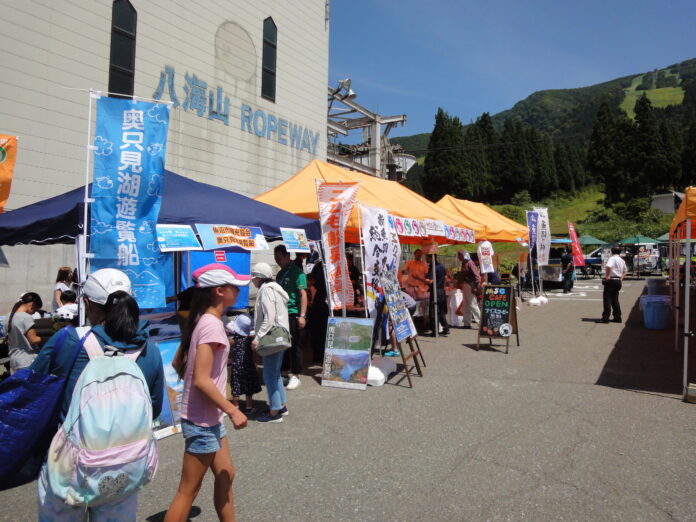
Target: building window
270, 51
124, 20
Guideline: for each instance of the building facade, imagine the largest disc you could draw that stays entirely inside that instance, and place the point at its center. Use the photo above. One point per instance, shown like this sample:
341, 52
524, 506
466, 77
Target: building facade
247, 82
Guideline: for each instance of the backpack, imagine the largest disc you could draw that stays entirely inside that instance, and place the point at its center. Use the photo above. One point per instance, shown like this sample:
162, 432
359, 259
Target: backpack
105, 450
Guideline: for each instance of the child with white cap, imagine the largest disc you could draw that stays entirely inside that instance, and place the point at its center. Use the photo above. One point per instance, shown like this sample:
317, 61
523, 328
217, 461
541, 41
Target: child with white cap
201, 361
115, 318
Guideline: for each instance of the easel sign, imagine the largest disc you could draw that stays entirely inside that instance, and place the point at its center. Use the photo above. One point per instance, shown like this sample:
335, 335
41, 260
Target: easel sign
498, 315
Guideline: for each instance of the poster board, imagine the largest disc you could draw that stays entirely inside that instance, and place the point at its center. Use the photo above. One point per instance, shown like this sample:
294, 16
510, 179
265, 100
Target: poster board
347, 354
169, 421
225, 236
398, 313
295, 239
176, 238
498, 314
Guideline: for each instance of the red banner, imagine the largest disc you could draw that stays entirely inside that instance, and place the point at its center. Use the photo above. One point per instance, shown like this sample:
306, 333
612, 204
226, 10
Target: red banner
578, 257
336, 202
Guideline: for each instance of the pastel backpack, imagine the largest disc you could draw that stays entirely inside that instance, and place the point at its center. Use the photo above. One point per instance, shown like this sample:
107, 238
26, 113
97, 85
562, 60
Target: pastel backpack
105, 450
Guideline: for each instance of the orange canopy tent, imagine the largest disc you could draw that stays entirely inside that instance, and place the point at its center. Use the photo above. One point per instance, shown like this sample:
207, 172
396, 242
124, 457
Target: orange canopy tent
686, 210
298, 195
498, 227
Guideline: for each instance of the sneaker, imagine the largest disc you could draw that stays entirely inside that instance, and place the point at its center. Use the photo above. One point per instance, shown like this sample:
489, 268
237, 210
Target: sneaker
250, 411
283, 411
270, 418
392, 353
293, 383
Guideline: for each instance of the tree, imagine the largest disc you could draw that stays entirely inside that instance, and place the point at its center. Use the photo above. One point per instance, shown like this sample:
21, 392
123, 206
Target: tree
649, 158
689, 156
602, 154
445, 169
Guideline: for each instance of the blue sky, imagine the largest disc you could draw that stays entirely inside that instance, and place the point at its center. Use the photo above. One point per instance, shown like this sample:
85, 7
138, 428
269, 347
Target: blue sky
469, 57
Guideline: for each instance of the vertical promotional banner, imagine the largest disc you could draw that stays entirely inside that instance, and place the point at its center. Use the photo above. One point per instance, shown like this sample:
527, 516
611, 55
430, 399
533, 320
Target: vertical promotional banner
8, 156
382, 249
543, 239
532, 222
130, 143
578, 258
336, 201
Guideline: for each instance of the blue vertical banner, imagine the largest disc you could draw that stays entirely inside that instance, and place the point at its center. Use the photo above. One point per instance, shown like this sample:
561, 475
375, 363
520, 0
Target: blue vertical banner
532, 224
130, 144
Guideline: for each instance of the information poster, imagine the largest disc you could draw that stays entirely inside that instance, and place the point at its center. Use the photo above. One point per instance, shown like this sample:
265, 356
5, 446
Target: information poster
224, 236
169, 420
295, 239
382, 249
495, 312
176, 238
398, 313
347, 354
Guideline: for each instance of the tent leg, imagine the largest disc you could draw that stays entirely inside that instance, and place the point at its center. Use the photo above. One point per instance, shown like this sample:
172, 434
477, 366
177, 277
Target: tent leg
687, 306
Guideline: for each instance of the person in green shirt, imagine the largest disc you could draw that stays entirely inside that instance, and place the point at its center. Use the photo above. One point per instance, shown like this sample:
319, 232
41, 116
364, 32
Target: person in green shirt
293, 280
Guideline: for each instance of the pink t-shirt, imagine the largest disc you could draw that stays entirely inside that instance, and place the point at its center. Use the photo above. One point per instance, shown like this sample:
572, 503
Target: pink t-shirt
196, 407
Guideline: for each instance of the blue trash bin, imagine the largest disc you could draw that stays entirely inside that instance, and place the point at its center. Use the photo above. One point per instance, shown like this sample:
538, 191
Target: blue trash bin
656, 314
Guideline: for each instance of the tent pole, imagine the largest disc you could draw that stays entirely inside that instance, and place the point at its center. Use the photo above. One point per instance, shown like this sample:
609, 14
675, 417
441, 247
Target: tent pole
82, 254
362, 261
344, 263
436, 326
687, 303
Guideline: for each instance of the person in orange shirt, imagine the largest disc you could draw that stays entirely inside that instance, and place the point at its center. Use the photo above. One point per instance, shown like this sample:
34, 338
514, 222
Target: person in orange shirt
415, 274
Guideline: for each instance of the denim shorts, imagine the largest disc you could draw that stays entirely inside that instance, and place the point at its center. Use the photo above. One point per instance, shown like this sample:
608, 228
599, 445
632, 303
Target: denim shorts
202, 439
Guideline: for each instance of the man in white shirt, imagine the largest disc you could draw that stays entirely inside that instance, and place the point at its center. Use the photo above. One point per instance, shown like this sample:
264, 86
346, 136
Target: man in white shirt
615, 270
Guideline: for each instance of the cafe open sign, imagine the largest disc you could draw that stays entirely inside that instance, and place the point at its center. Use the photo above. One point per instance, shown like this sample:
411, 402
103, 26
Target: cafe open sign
498, 314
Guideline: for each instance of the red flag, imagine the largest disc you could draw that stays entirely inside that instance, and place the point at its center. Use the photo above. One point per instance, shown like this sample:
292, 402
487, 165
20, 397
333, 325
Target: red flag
578, 258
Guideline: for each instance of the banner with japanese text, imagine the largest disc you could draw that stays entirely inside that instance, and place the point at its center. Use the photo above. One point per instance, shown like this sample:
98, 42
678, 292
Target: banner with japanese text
398, 313
382, 249
532, 221
543, 237
226, 236
8, 156
129, 151
578, 257
336, 201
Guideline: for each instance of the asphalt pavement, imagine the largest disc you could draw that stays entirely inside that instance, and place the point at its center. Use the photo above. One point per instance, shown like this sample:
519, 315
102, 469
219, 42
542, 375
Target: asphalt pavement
583, 421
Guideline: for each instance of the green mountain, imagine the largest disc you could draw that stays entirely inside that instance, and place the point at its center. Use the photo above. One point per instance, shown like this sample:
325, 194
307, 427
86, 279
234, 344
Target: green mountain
569, 113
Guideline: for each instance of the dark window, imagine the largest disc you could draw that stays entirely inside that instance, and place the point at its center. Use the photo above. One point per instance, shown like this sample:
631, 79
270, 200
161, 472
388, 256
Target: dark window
124, 20
270, 51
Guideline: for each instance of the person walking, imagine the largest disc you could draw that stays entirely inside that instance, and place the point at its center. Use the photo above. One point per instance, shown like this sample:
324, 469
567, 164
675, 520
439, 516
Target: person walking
22, 340
201, 361
568, 268
270, 310
294, 282
115, 319
64, 281
469, 281
615, 271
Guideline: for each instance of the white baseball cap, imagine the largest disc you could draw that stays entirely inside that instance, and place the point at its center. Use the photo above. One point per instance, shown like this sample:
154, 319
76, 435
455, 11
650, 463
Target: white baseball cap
262, 270
102, 283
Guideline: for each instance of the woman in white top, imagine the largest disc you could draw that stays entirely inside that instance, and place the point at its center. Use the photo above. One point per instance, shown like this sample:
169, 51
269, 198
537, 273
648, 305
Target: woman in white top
22, 340
270, 310
63, 283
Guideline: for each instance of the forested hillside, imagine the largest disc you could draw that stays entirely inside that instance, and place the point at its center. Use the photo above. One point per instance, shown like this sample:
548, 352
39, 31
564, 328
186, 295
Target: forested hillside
635, 135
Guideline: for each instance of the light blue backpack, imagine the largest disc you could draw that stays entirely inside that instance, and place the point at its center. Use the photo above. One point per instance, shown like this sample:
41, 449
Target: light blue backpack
105, 449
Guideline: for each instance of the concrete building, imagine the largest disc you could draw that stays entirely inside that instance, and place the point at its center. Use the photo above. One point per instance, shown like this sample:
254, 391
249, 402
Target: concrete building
247, 80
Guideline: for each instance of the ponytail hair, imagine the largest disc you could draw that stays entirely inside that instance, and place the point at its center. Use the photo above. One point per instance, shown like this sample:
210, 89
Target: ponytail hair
29, 297
121, 316
201, 300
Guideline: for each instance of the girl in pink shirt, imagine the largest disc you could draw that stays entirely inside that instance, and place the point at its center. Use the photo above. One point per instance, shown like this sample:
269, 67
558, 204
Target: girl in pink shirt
201, 361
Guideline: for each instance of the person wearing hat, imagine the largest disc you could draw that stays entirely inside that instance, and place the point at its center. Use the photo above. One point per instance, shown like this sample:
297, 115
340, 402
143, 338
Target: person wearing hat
241, 370
469, 281
270, 310
115, 319
201, 361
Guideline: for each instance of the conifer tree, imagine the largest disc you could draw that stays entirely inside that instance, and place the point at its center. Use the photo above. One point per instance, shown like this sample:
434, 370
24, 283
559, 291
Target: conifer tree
648, 167
444, 169
602, 154
689, 156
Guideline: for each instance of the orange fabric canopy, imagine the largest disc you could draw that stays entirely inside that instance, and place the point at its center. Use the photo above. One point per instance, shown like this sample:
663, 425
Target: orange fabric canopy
298, 195
498, 227
687, 210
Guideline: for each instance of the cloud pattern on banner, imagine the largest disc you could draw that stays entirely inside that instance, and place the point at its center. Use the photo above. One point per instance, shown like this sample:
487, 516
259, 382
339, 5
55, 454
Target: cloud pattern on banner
103, 146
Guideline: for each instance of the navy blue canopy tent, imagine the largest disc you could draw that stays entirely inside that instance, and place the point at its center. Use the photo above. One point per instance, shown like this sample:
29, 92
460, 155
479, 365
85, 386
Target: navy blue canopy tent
184, 202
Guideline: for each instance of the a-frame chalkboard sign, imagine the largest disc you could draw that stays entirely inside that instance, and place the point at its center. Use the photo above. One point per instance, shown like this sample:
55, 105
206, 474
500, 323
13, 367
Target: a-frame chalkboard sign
498, 315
